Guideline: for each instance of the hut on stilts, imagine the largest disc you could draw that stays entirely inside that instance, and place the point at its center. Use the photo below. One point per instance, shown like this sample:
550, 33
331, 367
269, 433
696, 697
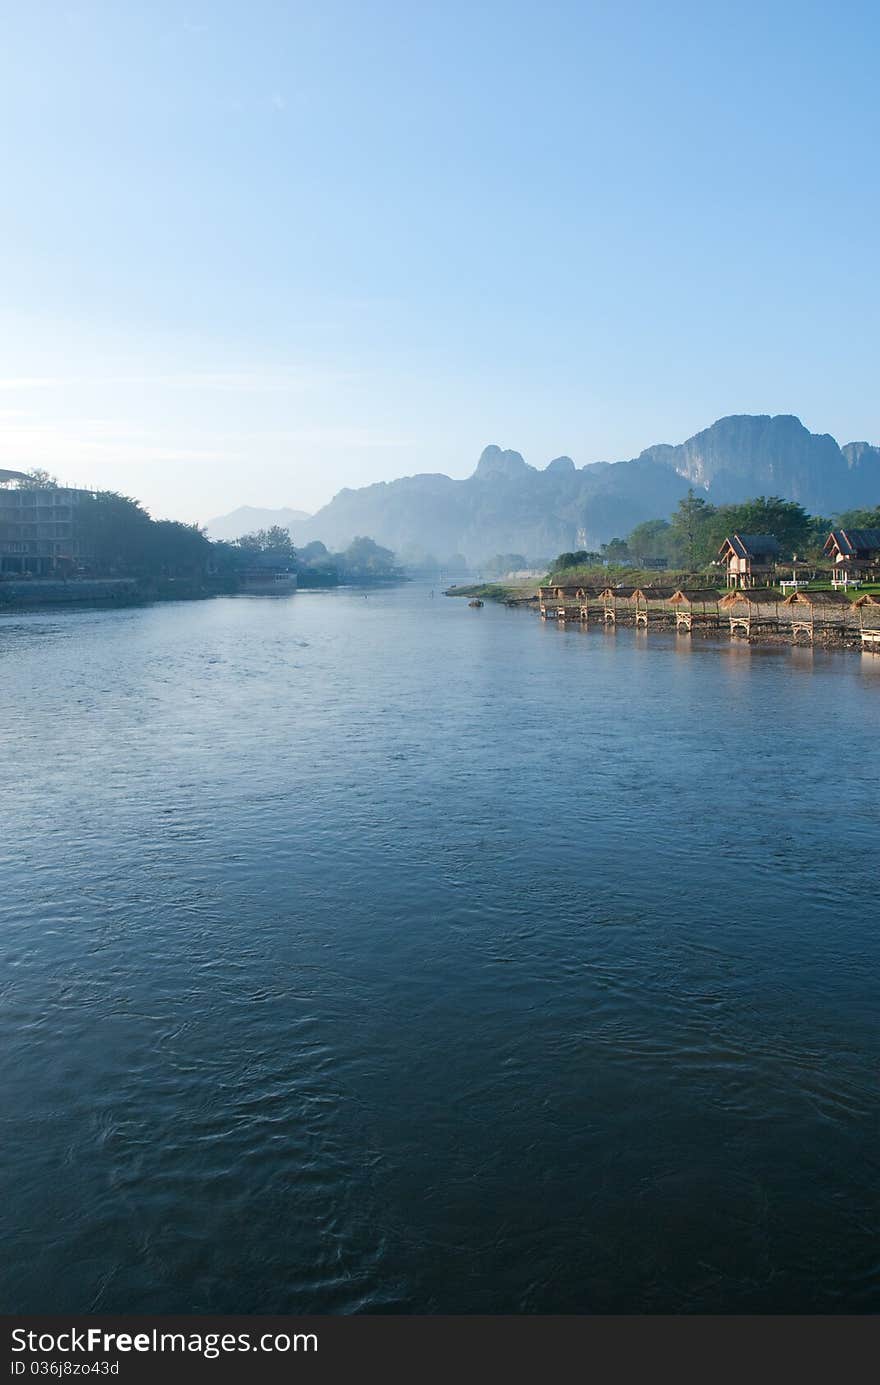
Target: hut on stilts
617, 604
651, 606
546, 596
694, 610
823, 615
752, 611
590, 604
568, 605
559, 602
867, 609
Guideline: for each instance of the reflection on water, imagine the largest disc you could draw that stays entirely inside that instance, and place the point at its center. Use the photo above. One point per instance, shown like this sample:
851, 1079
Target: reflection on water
389, 955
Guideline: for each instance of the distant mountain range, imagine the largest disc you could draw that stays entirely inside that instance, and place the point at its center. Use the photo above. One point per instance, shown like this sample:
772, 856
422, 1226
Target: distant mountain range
507, 506
247, 519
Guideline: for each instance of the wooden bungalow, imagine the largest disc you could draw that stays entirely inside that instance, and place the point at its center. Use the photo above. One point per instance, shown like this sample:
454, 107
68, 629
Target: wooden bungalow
749, 559
818, 614
616, 603
751, 611
854, 554
651, 605
693, 609
867, 609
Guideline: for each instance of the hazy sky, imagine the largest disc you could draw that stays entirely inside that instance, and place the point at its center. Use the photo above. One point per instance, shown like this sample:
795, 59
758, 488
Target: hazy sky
253, 252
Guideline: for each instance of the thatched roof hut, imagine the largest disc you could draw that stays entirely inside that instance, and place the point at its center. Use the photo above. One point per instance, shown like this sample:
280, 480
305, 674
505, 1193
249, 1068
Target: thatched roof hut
748, 558
867, 609
854, 554
697, 607
814, 612
819, 600
616, 601
752, 596
652, 602
561, 600
652, 596
751, 608
697, 599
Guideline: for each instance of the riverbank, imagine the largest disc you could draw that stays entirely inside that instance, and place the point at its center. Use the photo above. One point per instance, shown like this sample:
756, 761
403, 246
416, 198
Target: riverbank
510, 593
35, 592
819, 616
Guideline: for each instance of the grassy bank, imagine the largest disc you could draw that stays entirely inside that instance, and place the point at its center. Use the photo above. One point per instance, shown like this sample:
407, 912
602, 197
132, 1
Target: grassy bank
497, 591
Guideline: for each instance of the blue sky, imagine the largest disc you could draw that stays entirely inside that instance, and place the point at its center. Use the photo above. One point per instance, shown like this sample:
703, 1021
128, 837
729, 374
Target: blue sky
254, 252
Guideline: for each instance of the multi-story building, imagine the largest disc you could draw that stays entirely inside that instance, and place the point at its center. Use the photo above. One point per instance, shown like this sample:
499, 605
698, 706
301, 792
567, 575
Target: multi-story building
38, 527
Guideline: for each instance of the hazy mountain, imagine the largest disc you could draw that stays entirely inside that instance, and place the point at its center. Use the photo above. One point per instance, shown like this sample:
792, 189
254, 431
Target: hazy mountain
864, 461
748, 455
507, 506
247, 518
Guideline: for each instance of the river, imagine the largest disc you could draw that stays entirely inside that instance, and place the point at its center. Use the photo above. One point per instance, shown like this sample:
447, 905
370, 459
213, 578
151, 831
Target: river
384, 955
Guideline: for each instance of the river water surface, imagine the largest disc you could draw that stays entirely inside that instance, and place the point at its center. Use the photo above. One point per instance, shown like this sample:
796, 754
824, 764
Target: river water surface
385, 955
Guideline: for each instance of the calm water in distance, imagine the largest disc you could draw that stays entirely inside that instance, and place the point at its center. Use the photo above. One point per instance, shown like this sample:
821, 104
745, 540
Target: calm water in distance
384, 955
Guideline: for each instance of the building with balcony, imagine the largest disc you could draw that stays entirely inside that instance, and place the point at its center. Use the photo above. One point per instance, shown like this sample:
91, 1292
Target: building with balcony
750, 559
38, 528
855, 554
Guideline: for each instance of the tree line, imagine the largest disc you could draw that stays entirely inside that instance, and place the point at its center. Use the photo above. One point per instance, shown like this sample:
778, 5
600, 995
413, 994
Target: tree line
691, 537
118, 537
363, 560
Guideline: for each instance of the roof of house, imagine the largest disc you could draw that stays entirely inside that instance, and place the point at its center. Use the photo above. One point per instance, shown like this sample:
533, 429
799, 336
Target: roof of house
626, 593
13, 475
868, 599
752, 545
852, 541
654, 593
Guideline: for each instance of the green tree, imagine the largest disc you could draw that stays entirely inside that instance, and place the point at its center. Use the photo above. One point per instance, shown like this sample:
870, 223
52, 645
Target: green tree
273, 540
787, 521
616, 551
38, 480
118, 538
502, 563
692, 534
650, 540
113, 530
365, 560
857, 519
584, 557
178, 550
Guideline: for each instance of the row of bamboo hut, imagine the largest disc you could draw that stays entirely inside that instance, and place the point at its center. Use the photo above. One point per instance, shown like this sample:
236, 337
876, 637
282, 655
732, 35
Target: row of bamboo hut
750, 613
